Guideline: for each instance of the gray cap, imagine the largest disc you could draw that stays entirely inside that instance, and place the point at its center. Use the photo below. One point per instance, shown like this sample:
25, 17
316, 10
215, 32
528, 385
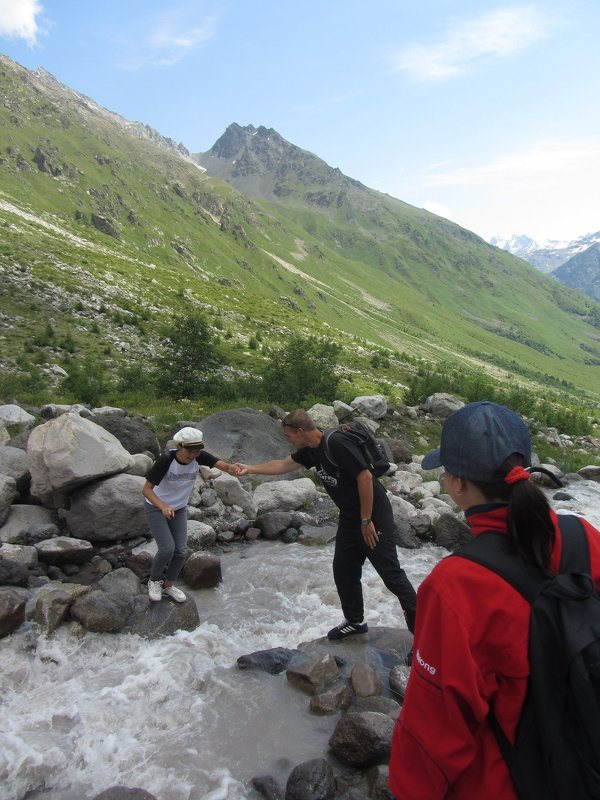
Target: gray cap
477, 439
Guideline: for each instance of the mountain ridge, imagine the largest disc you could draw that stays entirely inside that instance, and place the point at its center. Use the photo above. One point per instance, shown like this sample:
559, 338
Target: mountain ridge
324, 255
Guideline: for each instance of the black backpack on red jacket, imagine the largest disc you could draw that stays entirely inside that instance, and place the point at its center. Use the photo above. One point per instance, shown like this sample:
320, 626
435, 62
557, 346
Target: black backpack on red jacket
556, 754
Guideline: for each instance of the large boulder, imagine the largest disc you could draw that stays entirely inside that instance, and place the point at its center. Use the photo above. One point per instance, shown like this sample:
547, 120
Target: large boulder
134, 435
442, 404
363, 740
285, 495
69, 451
244, 435
202, 571
14, 414
64, 550
231, 492
108, 511
371, 406
323, 416
23, 518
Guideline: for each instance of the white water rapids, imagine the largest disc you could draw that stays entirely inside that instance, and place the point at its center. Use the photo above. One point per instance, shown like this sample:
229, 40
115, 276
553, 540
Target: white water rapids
175, 716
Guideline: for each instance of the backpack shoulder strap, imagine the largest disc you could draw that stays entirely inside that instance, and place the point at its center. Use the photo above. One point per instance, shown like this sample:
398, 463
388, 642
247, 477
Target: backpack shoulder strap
326, 436
575, 554
493, 550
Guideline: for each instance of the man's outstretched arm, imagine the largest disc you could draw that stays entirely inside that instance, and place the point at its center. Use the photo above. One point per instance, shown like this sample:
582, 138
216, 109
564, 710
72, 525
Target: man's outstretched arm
278, 466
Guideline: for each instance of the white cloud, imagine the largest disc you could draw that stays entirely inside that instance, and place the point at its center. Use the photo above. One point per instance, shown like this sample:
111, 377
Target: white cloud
498, 34
551, 190
18, 20
439, 208
172, 36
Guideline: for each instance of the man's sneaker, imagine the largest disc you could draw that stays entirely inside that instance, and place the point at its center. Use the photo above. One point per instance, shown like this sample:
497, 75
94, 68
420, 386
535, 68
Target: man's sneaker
155, 590
175, 593
346, 628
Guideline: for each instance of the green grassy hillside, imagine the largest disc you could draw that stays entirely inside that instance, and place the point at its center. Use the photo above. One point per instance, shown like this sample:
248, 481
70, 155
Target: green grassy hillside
106, 229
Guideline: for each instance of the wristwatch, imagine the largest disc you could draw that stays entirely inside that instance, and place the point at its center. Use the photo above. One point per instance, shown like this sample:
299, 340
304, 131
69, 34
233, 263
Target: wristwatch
366, 521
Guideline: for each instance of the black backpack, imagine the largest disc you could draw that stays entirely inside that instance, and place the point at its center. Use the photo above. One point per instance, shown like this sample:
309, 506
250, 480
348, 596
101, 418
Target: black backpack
556, 755
372, 449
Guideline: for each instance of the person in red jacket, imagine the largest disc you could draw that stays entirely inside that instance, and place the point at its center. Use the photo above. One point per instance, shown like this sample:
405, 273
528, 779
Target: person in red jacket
471, 634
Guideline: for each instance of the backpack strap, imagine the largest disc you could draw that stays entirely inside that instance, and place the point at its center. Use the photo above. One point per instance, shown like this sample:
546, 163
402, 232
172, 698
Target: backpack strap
326, 435
575, 554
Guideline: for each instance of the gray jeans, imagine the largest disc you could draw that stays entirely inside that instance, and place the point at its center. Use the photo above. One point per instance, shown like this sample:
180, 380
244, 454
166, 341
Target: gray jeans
171, 537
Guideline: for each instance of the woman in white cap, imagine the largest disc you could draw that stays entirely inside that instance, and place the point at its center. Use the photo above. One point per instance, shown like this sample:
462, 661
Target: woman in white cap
471, 654
167, 490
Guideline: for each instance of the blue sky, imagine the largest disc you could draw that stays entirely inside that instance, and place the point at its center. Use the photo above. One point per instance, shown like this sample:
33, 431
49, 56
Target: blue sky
484, 112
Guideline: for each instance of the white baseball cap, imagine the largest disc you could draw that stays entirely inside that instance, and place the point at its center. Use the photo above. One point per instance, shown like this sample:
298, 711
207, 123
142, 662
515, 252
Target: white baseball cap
188, 436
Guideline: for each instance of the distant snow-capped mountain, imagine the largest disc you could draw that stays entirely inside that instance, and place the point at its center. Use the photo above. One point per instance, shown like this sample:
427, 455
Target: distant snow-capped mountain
545, 256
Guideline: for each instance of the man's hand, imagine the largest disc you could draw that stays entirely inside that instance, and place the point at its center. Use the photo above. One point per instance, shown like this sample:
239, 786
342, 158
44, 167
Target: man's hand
370, 535
240, 469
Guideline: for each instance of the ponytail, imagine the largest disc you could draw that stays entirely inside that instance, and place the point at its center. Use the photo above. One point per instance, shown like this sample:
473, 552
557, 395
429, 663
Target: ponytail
530, 526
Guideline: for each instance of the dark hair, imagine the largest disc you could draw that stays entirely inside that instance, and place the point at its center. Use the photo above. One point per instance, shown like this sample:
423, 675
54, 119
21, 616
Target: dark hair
299, 419
530, 526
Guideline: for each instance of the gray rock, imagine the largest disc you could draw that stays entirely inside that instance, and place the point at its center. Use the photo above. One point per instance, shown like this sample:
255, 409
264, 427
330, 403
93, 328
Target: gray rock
450, 532
323, 416
380, 704
332, 701
14, 464
244, 435
371, 406
314, 536
232, 493
64, 550
14, 414
52, 603
311, 780
314, 676
135, 436
200, 535
22, 553
69, 451
442, 404
202, 571
274, 523
101, 612
363, 740
285, 495
12, 610
13, 573
21, 519
590, 473
342, 410
141, 463
398, 679
8, 493
365, 681
272, 661
267, 786
108, 510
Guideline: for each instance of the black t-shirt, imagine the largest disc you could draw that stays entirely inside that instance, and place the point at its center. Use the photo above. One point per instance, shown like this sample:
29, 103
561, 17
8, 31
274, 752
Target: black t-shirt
340, 481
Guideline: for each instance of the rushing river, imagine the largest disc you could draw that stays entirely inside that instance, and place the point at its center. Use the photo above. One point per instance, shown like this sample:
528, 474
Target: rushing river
175, 716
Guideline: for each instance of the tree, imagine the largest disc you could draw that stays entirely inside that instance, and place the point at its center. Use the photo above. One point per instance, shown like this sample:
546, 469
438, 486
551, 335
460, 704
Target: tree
189, 356
303, 369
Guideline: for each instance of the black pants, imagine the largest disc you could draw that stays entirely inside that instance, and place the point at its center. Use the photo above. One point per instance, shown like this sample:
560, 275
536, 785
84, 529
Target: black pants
348, 559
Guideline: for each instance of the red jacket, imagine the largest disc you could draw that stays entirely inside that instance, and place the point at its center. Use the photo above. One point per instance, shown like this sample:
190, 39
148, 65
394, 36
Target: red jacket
470, 647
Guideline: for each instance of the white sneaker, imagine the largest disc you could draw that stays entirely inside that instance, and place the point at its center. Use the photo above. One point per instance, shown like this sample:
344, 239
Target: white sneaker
155, 590
175, 593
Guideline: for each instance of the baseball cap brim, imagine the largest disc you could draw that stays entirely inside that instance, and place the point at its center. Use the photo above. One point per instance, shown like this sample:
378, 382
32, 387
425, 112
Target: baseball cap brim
431, 460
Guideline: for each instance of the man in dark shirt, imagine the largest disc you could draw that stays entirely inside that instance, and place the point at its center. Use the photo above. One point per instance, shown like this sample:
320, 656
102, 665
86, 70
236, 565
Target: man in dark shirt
366, 523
